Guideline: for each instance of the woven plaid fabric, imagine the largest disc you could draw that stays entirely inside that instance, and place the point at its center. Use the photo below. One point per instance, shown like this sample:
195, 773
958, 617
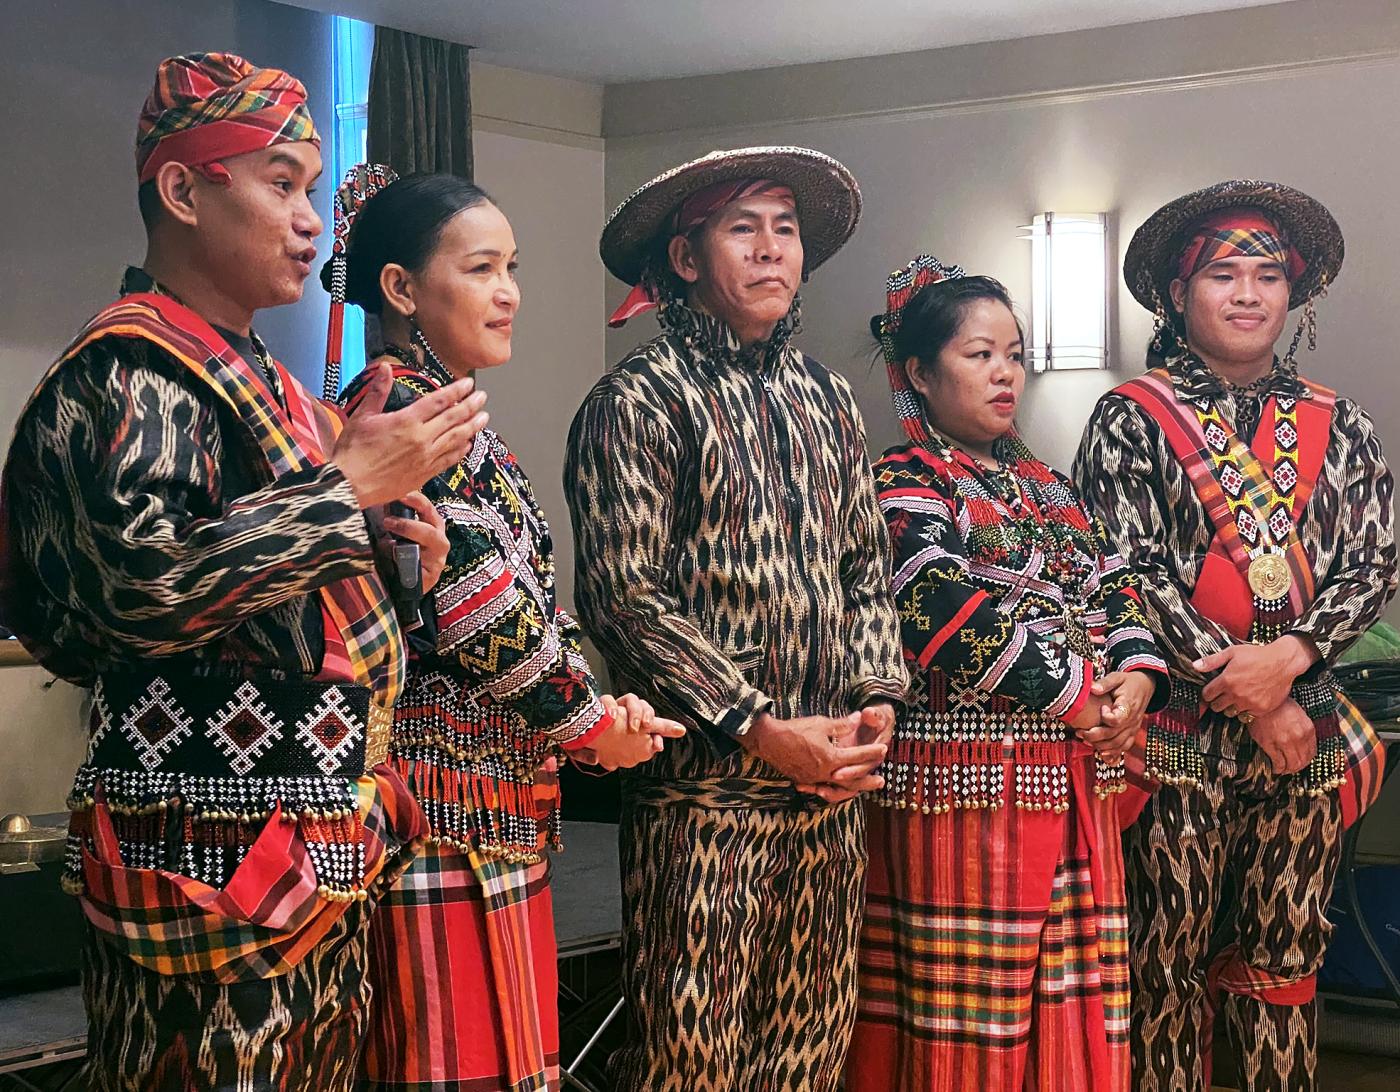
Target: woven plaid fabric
209, 106
463, 965
267, 918
994, 950
1238, 233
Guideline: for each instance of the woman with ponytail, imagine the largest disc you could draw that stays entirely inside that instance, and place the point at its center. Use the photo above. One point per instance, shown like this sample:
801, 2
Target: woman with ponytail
462, 948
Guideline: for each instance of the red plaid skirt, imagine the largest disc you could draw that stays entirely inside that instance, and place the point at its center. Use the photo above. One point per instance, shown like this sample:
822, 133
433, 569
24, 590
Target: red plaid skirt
994, 951
463, 964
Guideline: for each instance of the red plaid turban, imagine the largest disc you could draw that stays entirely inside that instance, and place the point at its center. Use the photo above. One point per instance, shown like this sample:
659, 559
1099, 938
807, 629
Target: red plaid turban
210, 106
1238, 233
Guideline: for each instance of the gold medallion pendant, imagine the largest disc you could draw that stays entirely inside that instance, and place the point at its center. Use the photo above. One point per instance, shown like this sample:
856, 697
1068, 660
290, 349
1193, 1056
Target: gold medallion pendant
1270, 577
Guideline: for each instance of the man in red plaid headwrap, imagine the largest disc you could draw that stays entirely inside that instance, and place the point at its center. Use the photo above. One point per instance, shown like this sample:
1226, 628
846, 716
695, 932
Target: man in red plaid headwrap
182, 528
1256, 506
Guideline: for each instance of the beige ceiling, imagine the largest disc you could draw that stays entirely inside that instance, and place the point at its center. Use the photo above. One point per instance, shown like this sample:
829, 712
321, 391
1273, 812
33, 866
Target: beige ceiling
617, 41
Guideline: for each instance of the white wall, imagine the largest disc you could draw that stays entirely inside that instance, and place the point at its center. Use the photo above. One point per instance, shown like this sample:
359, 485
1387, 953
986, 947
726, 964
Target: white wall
551, 193
539, 153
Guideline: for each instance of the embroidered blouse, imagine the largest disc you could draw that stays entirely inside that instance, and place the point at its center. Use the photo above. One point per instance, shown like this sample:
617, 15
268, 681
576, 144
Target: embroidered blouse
1003, 584
498, 683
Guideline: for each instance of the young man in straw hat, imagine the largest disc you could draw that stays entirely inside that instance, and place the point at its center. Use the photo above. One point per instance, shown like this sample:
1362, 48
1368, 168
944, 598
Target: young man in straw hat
1256, 505
733, 567
182, 528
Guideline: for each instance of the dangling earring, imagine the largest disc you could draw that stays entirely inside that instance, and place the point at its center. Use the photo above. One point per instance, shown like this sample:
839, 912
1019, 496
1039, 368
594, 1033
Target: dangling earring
417, 337
1290, 357
1161, 326
1310, 313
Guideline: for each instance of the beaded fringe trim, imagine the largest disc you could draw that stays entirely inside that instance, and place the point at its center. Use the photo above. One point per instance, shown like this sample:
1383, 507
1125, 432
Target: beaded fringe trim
486, 803
934, 776
203, 827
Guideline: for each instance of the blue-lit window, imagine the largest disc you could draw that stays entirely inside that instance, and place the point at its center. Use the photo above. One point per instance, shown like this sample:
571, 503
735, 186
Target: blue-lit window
352, 45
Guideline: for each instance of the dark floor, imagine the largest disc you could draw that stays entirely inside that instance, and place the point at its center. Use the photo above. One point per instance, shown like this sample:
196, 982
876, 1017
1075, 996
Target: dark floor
1360, 1072
1350, 1072
1360, 1048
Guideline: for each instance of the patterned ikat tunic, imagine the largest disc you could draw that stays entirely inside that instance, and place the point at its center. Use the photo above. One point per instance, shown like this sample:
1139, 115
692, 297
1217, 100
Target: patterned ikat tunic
731, 558
1128, 473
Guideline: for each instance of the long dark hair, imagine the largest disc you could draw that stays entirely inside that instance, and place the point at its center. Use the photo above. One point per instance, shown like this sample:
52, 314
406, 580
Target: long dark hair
401, 224
934, 315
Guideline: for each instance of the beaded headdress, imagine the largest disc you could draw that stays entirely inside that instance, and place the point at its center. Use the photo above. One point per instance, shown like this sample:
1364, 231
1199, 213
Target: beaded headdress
901, 287
361, 182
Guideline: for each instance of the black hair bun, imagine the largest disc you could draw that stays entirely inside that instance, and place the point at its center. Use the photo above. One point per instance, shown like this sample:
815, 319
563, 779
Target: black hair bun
361, 286
877, 324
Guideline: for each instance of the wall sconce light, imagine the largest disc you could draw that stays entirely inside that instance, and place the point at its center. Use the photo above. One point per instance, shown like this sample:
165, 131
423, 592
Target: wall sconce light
1069, 290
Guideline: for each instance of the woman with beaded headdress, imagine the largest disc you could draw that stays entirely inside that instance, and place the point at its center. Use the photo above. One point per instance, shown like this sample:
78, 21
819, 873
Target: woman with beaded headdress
463, 949
1256, 506
993, 950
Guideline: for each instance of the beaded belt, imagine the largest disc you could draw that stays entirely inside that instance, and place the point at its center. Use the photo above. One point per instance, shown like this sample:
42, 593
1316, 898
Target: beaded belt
207, 726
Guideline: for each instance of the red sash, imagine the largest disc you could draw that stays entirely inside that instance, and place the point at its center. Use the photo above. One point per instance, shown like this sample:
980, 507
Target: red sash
1222, 593
362, 639
1222, 590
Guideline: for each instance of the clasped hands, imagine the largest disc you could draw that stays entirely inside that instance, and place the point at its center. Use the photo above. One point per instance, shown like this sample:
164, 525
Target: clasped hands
831, 757
633, 735
1109, 727
1253, 685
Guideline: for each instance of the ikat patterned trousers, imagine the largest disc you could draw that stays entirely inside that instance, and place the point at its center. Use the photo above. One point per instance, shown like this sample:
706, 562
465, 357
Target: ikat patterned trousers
740, 928
1246, 840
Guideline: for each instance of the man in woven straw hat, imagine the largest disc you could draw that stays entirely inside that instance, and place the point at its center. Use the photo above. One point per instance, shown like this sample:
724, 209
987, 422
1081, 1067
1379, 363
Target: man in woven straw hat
1257, 506
182, 528
733, 567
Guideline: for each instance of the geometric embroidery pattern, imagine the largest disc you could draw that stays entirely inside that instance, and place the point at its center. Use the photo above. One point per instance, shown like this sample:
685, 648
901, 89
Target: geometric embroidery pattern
102, 719
244, 729
329, 731
1248, 526
1279, 483
156, 724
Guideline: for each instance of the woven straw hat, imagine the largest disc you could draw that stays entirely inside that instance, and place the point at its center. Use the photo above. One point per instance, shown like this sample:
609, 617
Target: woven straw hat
828, 202
1155, 250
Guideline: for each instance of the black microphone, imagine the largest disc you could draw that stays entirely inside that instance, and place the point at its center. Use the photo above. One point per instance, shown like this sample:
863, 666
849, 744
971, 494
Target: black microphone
405, 576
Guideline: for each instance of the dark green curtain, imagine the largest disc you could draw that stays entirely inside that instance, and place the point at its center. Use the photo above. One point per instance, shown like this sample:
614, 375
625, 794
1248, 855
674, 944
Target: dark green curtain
420, 104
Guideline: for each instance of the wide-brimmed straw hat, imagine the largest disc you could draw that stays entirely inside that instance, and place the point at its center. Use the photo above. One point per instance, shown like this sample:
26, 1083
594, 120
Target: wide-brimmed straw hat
828, 203
1155, 251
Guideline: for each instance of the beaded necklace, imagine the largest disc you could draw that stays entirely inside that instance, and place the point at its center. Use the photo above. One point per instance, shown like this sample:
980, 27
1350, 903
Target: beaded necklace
460, 479
1031, 519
